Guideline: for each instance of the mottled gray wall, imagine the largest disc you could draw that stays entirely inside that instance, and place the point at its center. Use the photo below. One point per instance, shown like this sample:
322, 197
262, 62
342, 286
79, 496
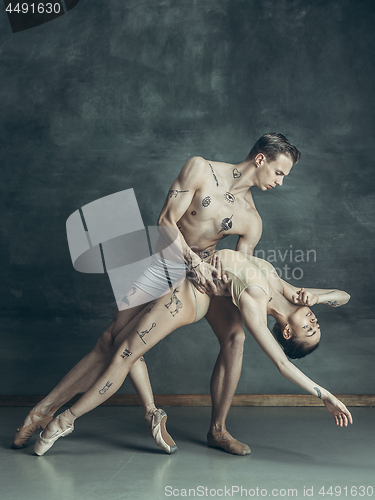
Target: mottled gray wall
119, 94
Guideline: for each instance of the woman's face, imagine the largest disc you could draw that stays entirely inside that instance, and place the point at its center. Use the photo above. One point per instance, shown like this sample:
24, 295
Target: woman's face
305, 326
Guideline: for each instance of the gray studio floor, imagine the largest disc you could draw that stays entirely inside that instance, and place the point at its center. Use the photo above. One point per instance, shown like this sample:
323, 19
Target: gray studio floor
111, 456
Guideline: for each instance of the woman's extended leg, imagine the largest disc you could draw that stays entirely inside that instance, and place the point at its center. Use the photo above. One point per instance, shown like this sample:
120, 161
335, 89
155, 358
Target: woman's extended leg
143, 332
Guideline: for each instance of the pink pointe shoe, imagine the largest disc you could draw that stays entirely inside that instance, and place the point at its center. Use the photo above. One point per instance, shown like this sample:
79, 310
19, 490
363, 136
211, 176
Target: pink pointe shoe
156, 427
44, 444
23, 434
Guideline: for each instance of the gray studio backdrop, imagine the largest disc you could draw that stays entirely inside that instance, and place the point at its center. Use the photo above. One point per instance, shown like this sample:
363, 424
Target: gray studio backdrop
119, 94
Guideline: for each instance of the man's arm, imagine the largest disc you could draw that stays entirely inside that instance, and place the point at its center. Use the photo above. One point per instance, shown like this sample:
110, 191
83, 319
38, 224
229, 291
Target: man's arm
176, 204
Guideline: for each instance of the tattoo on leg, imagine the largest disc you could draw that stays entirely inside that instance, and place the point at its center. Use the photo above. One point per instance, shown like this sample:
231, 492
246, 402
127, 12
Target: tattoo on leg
236, 173
129, 294
229, 198
105, 388
270, 299
332, 303
151, 307
174, 300
142, 334
214, 175
206, 201
142, 359
126, 353
318, 392
174, 192
226, 224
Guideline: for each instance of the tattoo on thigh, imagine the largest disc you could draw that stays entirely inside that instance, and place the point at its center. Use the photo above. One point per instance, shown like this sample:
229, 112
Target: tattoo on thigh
318, 392
129, 294
175, 192
151, 307
214, 175
226, 224
126, 353
144, 332
175, 301
206, 201
236, 173
105, 388
229, 198
142, 359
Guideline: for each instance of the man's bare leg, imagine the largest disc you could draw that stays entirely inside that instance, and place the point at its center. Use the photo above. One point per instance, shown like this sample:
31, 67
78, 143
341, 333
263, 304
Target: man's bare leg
225, 320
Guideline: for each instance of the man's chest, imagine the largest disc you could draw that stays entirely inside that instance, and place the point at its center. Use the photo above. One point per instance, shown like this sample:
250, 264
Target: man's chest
223, 212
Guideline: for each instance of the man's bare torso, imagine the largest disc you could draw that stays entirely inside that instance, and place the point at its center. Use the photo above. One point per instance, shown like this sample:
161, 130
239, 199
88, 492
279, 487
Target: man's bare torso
218, 208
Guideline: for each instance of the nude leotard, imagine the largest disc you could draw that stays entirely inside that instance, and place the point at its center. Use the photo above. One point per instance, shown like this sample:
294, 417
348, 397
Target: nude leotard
244, 272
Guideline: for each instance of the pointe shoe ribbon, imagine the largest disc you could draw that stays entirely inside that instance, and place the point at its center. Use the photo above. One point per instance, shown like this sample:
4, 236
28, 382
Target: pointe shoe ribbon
42, 445
156, 427
228, 444
23, 434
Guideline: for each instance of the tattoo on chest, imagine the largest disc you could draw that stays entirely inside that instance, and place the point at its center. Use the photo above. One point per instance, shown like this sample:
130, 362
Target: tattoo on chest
229, 198
174, 301
204, 254
226, 224
142, 334
206, 201
214, 175
174, 192
236, 173
318, 392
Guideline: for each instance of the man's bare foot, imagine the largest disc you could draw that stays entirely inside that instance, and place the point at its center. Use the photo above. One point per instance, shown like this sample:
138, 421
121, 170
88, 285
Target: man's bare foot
226, 442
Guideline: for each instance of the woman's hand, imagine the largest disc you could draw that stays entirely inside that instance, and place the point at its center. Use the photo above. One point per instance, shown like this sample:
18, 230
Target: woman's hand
304, 298
338, 410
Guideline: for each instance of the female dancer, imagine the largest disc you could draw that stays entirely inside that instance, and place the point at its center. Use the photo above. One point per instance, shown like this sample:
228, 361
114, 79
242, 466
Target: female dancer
257, 291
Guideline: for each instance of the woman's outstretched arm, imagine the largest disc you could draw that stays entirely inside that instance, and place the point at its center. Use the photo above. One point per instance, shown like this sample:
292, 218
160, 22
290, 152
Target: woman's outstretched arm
312, 296
256, 322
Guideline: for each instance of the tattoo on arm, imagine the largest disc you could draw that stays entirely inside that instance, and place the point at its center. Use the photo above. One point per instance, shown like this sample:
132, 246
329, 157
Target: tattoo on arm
204, 254
144, 332
126, 353
214, 175
333, 303
318, 392
105, 388
236, 173
206, 201
175, 192
226, 224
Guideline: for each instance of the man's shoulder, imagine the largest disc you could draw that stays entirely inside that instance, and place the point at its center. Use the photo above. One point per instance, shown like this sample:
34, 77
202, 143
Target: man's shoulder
196, 162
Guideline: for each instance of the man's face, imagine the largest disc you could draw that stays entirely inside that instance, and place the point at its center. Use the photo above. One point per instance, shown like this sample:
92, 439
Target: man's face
273, 173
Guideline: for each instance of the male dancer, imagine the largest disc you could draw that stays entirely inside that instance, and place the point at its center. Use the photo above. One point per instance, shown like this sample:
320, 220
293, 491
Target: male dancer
208, 201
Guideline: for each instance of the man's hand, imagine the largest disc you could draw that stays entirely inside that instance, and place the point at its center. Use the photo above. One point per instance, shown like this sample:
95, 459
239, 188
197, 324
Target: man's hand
206, 275
304, 298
